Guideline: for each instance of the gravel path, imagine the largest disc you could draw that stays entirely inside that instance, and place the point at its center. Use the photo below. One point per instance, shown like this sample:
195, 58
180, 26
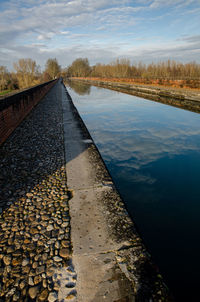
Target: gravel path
35, 262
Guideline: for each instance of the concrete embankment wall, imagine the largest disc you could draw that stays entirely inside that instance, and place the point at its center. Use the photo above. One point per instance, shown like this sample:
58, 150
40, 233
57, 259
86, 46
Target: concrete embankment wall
110, 259
14, 109
182, 99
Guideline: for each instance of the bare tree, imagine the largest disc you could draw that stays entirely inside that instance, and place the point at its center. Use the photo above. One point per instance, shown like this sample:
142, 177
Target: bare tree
27, 72
52, 68
3, 77
79, 68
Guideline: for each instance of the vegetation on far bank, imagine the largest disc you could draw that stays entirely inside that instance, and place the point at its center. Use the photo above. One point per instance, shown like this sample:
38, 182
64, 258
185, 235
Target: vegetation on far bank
169, 73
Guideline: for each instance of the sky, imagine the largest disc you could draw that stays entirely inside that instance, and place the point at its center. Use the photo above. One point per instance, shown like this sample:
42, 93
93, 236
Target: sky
100, 30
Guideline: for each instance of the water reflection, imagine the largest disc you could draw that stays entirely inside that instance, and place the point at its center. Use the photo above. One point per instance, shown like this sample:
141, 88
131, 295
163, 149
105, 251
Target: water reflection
79, 87
153, 154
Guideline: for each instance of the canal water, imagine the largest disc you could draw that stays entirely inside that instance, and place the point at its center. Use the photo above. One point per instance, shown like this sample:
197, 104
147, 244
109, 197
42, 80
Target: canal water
152, 151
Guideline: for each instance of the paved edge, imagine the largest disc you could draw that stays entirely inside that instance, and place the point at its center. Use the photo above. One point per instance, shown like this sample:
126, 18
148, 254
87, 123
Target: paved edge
110, 259
180, 99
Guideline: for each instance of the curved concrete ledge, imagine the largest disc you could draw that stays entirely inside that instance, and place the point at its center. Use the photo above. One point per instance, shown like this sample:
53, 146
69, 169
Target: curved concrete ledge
110, 259
182, 99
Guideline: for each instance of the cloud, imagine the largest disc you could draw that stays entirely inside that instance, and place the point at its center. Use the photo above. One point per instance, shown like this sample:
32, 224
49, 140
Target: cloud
38, 45
191, 39
96, 29
187, 51
143, 178
46, 36
171, 3
66, 32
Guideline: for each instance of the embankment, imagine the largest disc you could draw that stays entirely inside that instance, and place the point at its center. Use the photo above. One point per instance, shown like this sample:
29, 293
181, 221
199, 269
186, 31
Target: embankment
185, 99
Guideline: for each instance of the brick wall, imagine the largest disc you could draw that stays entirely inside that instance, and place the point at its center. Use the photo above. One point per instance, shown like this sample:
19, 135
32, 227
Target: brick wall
14, 108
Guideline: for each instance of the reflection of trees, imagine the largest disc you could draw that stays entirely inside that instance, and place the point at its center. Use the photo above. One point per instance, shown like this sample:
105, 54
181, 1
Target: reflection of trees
78, 87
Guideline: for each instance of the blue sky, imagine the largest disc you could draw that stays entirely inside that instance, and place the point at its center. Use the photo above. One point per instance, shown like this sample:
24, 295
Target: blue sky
101, 30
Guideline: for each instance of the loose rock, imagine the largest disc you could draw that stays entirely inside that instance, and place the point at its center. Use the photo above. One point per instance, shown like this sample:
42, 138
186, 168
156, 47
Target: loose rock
52, 297
64, 253
33, 291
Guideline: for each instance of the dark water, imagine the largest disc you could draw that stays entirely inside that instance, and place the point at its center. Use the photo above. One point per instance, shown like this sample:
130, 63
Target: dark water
153, 154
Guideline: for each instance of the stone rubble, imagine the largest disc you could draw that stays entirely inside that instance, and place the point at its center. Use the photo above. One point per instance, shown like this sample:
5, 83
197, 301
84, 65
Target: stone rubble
35, 248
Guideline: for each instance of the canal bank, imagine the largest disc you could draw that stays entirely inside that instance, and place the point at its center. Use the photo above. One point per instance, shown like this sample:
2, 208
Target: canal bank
184, 99
109, 257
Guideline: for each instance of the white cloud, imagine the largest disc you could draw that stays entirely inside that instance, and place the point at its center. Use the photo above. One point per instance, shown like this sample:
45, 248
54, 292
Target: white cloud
65, 32
171, 3
46, 36
96, 29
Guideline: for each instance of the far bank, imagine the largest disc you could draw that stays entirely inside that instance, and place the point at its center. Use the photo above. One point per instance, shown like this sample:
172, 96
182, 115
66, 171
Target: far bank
188, 99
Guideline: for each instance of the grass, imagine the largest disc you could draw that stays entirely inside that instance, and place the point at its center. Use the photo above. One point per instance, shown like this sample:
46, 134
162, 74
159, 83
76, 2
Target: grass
5, 91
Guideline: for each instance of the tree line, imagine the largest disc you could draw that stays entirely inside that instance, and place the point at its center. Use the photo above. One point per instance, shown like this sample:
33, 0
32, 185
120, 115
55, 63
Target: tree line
27, 73
122, 68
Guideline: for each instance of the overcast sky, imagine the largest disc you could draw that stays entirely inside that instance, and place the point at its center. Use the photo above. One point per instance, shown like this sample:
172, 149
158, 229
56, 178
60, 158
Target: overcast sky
101, 30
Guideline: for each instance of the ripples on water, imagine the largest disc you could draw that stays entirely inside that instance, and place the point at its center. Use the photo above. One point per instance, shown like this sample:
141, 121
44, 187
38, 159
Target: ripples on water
153, 154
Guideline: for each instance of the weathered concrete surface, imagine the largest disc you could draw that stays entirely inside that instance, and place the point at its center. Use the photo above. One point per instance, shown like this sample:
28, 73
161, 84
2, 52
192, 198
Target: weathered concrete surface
110, 259
181, 99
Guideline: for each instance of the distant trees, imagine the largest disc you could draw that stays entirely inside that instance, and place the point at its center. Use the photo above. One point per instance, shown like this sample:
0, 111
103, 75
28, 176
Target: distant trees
79, 68
52, 68
8, 81
166, 73
121, 68
4, 76
27, 73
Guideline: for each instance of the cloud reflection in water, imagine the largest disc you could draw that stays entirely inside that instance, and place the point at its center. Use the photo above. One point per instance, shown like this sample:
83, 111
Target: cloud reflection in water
153, 154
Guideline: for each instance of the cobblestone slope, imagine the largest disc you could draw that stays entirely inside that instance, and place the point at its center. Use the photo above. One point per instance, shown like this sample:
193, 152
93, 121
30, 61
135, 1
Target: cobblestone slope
35, 263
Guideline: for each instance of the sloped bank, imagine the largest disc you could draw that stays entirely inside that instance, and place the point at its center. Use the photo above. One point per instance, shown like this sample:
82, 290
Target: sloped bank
182, 99
110, 259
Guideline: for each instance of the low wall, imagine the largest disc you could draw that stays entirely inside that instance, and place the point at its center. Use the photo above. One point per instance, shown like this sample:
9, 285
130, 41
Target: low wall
13, 109
183, 99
